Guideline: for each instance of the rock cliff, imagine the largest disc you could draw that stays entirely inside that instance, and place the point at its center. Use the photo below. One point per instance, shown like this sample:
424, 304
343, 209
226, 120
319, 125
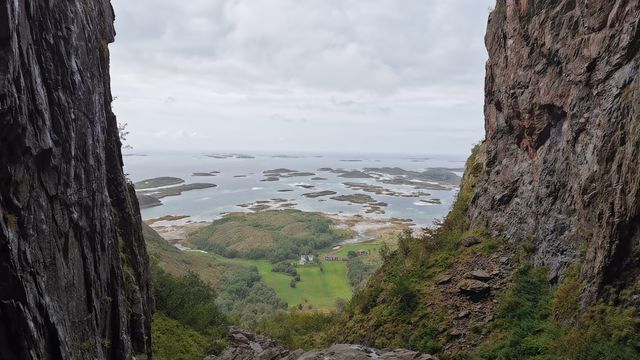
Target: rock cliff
73, 265
562, 149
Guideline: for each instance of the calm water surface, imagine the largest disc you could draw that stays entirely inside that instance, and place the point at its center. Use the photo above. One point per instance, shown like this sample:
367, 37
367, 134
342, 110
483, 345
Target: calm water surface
231, 190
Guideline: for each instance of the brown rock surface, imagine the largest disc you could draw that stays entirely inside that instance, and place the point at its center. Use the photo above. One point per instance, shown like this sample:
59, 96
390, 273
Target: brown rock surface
562, 150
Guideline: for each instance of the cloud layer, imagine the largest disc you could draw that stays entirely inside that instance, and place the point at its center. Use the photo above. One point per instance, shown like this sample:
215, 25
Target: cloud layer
301, 75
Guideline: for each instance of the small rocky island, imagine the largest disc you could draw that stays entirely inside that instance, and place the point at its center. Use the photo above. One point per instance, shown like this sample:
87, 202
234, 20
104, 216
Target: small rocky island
150, 191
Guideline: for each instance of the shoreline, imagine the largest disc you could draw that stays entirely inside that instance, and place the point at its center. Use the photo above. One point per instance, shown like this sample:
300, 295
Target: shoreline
176, 228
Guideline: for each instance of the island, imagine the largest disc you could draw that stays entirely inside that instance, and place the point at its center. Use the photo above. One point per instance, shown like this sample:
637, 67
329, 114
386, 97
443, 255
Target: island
157, 182
318, 194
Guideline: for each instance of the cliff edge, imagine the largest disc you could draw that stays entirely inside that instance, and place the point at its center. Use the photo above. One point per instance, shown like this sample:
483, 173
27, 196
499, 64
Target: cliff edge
562, 118
73, 264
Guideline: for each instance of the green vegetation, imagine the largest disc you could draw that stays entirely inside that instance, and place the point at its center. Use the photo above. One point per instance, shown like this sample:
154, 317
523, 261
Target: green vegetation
173, 340
273, 235
401, 305
285, 269
187, 323
359, 272
299, 330
317, 289
245, 299
536, 322
524, 310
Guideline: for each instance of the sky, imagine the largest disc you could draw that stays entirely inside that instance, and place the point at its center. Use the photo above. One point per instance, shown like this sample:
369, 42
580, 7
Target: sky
350, 76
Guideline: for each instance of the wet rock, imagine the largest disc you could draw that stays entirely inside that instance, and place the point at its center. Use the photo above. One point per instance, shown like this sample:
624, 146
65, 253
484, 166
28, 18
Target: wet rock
74, 264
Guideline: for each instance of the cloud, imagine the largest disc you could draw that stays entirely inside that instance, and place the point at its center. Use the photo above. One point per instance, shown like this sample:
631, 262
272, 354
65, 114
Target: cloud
221, 63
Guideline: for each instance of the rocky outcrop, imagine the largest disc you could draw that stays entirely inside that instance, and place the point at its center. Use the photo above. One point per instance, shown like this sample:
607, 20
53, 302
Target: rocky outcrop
244, 345
73, 265
562, 149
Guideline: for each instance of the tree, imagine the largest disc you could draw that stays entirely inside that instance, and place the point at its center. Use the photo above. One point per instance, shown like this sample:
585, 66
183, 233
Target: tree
123, 133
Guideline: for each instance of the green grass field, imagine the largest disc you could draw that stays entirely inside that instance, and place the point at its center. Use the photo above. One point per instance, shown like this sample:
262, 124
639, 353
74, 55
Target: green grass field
320, 289
317, 290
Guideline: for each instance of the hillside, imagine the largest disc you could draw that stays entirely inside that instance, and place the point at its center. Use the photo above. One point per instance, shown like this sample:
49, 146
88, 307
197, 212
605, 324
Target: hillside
538, 257
274, 235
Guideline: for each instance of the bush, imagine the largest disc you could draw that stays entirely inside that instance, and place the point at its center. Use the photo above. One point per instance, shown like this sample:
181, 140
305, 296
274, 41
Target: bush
185, 307
299, 330
245, 299
358, 272
405, 297
173, 340
285, 268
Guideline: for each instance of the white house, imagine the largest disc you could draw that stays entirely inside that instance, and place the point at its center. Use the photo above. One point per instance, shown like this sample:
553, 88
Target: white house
305, 258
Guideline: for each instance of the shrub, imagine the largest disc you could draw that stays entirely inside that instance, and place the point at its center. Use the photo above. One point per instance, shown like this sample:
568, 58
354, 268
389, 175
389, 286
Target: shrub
285, 268
185, 305
405, 297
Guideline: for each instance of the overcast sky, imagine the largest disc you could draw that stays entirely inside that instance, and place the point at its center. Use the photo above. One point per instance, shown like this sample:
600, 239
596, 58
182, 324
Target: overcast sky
397, 76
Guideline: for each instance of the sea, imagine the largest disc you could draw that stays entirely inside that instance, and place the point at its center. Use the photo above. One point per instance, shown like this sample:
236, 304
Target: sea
239, 181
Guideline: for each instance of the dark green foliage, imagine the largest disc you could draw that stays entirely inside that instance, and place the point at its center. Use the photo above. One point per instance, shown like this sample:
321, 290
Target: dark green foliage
534, 324
285, 268
173, 340
351, 254
426, 340
245, 299
272, 235
189, 303
187, 299
405, 297
523, 313
295, 330
358, 272
366, 299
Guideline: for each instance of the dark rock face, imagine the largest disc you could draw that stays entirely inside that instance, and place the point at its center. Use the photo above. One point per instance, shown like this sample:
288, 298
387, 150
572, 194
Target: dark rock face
247, 346
73, 264
562, 150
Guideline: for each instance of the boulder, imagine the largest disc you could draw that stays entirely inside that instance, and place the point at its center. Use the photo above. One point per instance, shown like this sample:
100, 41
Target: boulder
480, 275
474, 289
470, 241
244, 345
444, 279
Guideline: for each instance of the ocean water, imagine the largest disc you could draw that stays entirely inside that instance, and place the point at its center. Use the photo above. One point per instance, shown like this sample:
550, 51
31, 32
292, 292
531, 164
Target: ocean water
239, 182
